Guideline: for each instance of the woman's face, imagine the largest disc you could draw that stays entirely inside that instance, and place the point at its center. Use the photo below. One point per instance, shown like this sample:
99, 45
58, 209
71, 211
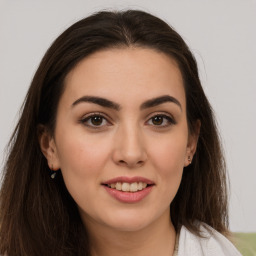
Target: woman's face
121, 138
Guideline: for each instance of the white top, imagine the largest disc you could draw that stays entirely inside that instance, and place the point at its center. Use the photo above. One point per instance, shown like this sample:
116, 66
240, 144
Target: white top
212, 243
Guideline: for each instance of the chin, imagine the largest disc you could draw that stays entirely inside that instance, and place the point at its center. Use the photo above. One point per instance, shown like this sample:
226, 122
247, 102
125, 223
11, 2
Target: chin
129, 221
128, 226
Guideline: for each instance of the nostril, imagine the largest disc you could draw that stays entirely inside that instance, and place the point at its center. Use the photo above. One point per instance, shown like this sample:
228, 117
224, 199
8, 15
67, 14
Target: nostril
131, 163
122, 162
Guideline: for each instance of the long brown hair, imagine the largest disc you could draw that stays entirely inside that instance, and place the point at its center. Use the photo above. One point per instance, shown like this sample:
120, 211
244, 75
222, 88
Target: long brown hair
38, 216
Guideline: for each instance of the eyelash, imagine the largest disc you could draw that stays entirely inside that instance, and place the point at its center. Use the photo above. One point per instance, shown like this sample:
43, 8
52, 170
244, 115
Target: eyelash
89, 117
169, 120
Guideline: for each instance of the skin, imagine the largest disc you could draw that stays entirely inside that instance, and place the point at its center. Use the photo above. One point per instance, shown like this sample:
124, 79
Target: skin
126, 143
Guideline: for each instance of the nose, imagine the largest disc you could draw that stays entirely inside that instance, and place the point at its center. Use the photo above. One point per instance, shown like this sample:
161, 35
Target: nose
129, 148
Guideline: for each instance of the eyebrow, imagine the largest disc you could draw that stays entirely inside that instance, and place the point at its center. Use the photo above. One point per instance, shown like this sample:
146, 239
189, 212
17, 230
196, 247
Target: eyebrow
112, 105
159, 100
99, 101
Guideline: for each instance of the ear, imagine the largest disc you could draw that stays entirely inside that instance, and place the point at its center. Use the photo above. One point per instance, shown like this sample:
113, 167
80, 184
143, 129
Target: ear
192, 143
48, 147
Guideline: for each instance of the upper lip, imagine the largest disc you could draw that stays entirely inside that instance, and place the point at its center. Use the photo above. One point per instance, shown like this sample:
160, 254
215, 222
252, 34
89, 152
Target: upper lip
129, 180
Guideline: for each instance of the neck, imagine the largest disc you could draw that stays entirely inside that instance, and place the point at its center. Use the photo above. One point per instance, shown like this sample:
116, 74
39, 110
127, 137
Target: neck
156, 239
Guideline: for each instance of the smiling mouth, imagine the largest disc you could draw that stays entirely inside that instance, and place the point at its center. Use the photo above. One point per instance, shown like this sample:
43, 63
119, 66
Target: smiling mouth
128, 187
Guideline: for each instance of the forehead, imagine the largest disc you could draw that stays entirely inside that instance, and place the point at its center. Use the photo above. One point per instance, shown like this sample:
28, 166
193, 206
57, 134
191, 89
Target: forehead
125, 73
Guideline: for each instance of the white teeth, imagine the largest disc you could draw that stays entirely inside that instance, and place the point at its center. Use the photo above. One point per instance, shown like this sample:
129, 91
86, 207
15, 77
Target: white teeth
119, 186
128, 187
140, 186
133, 187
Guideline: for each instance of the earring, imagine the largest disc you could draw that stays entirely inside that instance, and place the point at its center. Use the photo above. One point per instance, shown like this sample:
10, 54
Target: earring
189, 160
54, 173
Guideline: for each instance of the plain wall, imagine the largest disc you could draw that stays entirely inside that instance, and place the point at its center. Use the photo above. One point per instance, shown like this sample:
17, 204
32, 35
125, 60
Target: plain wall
222, 36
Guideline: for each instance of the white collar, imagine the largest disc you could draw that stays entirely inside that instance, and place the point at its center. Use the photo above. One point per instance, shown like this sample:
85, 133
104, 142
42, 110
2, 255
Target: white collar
212, 244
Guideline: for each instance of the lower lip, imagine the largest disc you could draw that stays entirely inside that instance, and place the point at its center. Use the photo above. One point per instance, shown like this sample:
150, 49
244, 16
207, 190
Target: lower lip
129, 197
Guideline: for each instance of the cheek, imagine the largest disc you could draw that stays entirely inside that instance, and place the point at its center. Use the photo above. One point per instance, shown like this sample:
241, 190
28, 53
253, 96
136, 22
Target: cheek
82, 154
169, 154
168, 158
82, 160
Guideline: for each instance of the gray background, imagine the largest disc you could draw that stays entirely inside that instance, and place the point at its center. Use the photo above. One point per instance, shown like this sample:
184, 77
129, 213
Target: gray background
222, 36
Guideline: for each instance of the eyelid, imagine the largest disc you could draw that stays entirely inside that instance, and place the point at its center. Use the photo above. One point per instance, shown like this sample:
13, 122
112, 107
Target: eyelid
95, 114
160, 113
166, 115
92, 114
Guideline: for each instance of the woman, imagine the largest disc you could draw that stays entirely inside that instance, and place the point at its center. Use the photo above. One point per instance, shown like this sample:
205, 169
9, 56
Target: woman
116, 151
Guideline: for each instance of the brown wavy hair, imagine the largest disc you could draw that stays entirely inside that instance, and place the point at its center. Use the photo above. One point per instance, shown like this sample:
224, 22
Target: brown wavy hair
38, 215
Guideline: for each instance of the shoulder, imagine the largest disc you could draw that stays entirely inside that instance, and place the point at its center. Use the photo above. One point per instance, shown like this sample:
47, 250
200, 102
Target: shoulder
211, 243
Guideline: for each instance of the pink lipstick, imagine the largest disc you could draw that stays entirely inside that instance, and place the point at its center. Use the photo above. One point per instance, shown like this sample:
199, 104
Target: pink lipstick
128, 189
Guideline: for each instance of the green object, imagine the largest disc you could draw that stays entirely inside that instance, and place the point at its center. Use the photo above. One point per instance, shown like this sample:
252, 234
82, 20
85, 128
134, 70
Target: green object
245, 243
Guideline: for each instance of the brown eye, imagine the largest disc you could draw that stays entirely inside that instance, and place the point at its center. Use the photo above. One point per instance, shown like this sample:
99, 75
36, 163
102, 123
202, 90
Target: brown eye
157, 120
161, 120
96, 120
